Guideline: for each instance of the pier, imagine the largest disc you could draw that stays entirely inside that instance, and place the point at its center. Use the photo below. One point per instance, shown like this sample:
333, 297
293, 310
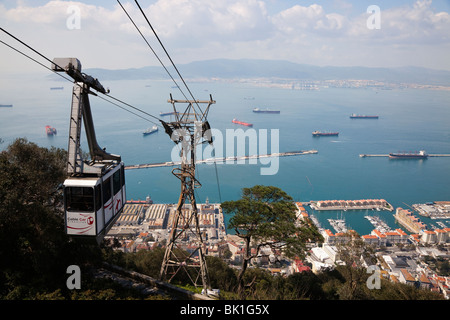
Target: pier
221, 160
338, 225
379, 224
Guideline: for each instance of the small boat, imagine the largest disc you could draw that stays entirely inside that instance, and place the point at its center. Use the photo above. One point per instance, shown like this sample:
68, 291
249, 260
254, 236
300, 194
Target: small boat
150, 130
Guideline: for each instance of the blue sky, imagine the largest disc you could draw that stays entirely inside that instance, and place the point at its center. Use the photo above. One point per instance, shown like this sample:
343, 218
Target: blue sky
333, 32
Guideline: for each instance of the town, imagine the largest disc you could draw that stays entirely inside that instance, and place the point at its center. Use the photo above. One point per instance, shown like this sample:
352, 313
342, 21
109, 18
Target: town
401, 257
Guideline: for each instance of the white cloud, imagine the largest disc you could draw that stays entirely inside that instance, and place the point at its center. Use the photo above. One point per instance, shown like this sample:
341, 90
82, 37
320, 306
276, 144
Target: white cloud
213, 20
204, 29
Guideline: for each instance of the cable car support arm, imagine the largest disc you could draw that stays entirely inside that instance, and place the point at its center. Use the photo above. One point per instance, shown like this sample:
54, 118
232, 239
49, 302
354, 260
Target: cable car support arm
81, 111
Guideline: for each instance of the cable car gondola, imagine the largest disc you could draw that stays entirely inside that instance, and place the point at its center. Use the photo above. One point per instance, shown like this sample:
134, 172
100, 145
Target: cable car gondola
93, 204
94, 191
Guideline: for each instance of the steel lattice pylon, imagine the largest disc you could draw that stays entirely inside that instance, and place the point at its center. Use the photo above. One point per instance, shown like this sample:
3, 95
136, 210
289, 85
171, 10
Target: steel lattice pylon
185, 249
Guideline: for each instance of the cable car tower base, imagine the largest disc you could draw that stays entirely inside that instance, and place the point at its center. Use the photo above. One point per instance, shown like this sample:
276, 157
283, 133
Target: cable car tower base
185, 250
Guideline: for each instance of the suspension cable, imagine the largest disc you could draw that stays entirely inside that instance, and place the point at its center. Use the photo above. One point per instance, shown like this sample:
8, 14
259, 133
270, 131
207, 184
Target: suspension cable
148, 44
167, 53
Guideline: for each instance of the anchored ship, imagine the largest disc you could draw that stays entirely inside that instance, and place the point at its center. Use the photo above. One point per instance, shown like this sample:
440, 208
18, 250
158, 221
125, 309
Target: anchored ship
360, 116
409, 155
267, 110
50, 130
320, 134
242, 123
150, 130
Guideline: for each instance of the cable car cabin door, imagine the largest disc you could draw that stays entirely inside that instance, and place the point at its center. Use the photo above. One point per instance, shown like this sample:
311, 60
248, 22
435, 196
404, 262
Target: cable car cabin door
113, 194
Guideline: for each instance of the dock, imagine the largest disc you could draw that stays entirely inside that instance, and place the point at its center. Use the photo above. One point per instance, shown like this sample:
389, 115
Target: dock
338, 225
379, 224
221, 160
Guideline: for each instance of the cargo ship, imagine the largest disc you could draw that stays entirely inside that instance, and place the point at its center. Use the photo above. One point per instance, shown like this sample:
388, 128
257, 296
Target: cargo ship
267, 110
320, 134
359, 116
150, 131
50, 130
409, 155
162, 114
242, 123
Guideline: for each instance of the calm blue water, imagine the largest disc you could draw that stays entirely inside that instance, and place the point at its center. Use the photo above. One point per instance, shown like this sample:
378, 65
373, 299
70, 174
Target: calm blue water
410, 120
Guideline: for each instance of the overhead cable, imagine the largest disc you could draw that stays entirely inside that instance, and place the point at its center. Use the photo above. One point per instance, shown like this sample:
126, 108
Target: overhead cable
70, 80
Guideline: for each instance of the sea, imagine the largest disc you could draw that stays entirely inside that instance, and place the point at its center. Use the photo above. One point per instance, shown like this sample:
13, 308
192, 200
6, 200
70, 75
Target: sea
409, 120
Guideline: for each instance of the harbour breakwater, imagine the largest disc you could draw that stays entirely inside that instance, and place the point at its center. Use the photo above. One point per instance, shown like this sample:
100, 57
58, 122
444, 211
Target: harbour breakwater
221, 160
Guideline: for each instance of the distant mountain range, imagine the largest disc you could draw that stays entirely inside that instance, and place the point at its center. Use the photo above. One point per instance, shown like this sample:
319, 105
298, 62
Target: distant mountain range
250, 68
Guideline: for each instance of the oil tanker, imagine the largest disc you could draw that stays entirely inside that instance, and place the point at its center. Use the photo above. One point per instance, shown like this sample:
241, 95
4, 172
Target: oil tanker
320, 134
409, 155
242, 123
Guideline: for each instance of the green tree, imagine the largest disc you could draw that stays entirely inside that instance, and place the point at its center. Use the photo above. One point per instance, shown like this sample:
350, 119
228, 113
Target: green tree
355, 254
34, 249
266, 216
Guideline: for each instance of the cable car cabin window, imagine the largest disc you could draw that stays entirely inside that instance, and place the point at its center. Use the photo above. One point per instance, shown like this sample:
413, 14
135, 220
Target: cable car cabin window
116, 182
106, 190
79, 199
